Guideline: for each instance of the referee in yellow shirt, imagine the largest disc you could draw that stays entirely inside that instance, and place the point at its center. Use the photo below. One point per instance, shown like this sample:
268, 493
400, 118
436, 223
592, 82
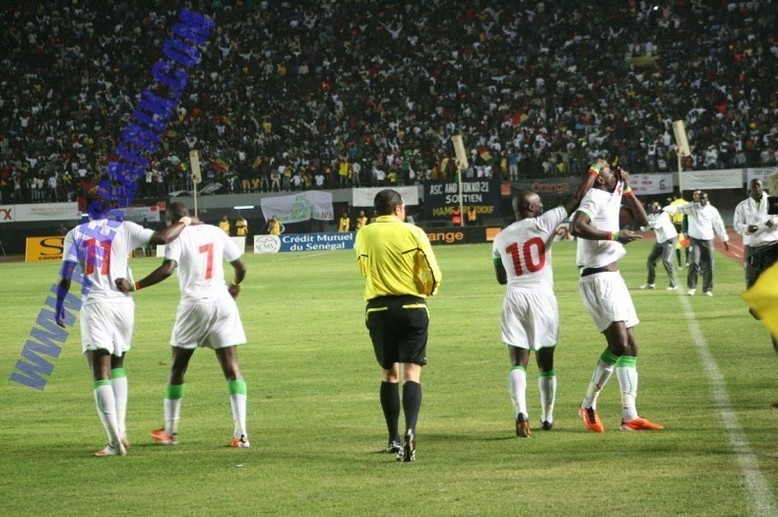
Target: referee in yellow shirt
400, 272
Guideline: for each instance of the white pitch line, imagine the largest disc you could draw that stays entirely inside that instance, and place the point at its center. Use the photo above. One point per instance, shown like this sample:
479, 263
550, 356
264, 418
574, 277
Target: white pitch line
758, 488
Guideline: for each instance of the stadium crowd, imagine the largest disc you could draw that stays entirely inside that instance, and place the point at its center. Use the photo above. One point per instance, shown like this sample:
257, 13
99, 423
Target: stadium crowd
291, 95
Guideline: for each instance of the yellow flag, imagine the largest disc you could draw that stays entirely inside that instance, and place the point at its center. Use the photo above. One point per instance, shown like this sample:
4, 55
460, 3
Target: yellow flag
762, 297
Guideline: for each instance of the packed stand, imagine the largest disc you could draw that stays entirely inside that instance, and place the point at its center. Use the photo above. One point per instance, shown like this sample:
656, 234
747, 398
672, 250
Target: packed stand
345, 93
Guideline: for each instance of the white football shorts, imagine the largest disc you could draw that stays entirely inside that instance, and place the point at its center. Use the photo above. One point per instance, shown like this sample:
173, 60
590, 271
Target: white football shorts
108, 325
608, 299
530, 318
212, 324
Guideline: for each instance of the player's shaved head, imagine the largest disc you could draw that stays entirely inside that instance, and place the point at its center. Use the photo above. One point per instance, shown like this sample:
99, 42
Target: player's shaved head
177, 211
527, 204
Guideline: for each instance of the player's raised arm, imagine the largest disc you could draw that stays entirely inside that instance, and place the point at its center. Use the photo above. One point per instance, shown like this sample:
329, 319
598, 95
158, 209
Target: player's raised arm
586, 184
631, 201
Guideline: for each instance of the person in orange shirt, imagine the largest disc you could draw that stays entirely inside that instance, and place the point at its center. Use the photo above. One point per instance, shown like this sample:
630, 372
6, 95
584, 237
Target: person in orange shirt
456, 217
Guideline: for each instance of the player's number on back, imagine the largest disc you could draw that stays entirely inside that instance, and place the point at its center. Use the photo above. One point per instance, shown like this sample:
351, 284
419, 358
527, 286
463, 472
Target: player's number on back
526, 259
93, 260
208, 250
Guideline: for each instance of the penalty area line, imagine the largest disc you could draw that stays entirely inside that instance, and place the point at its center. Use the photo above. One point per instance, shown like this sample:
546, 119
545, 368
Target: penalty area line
758, 489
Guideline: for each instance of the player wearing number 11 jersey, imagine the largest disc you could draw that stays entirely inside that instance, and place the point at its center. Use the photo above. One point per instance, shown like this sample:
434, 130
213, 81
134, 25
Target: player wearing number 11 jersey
207, 316
100, 247
530, 317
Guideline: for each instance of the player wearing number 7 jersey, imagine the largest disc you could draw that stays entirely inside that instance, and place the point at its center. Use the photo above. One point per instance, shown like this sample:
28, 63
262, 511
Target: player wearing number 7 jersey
101, 248
207, 316
530, 317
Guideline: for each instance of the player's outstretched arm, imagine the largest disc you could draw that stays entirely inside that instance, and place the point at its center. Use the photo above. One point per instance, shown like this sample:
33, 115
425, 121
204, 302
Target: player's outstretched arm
161, 273
170, 233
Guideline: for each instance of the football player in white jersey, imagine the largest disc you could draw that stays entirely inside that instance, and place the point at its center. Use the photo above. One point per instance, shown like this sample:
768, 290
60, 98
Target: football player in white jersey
207, 316
530, 316
101, 248
600, 246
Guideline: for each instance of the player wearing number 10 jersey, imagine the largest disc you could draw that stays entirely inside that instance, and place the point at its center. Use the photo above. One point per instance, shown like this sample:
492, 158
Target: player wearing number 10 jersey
101, 247
530, 317
207, 316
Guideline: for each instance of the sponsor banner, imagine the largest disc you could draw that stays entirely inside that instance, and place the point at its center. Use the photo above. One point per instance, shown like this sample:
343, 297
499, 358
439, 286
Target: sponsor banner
761, 173
47, 212
363, 197
440, 197
712, 180
44, 249
304, 242
7, 214
464, 235
311, 204
137, 214
561, 187
651, 184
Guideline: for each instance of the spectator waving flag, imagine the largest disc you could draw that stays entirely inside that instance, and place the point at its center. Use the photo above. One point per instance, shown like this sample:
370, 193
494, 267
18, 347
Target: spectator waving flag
483, 152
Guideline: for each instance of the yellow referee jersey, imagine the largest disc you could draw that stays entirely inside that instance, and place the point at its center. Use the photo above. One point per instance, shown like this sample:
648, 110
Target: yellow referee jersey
396, 259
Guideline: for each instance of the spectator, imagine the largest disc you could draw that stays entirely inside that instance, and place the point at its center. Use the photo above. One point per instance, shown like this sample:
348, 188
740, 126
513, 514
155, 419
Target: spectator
224, 224
704, 222
424, 80
666, 237
241, 227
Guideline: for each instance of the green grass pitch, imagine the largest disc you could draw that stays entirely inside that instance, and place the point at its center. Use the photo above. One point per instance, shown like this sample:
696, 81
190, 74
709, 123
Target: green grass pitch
707, 372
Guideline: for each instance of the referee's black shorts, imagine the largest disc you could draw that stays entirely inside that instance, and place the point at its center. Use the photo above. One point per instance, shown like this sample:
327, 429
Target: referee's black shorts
398, 329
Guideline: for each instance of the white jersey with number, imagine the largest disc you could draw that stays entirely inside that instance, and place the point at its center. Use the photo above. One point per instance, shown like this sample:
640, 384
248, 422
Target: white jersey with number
101, 247
524, 248
603, 208
200, 251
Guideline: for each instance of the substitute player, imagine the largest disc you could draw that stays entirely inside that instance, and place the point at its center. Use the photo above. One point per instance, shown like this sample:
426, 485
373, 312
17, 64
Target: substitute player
604, 293
101, 248
207, 316
530, 316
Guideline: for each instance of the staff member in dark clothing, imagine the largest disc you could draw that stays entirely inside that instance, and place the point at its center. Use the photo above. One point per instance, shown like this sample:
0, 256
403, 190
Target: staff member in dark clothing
400, 271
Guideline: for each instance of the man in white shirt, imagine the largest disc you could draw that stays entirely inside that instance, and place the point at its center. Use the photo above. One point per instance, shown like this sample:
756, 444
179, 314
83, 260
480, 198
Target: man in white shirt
101, 248
605, 294
666, 234
530, 316
704, 224
207, 316
760, 234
